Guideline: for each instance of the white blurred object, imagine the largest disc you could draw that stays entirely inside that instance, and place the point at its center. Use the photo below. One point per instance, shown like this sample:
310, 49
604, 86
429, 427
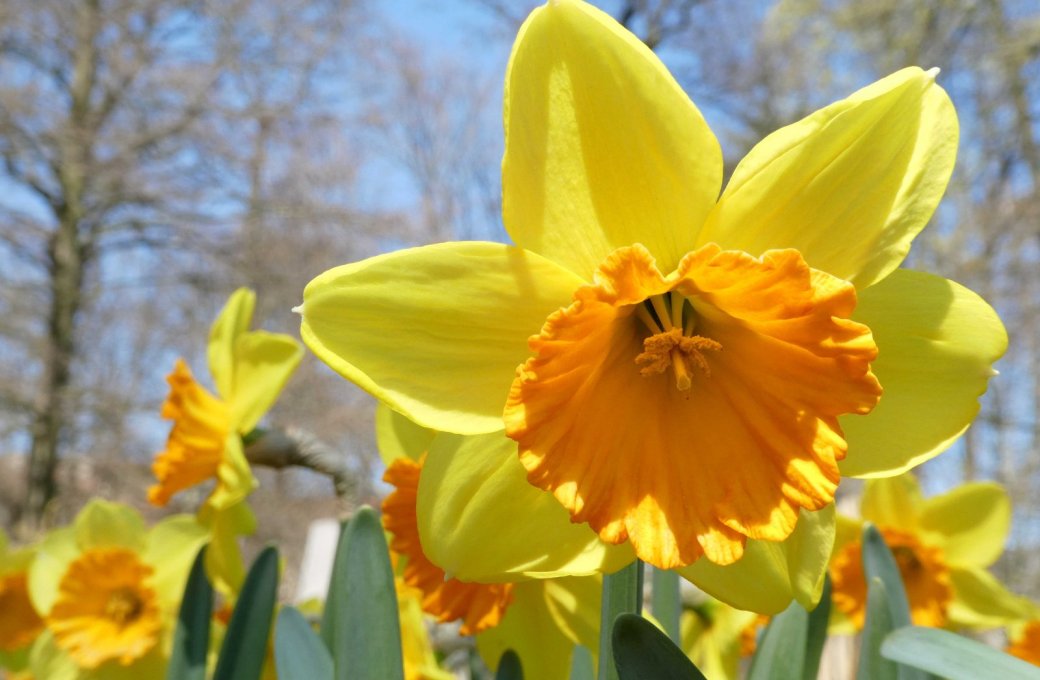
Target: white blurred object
318, 555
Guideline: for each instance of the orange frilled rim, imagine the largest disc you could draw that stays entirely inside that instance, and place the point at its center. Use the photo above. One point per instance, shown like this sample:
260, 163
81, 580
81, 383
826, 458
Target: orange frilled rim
19, 622
480, 606
1027, 645
106, 610
925, 573
195, 447
689, 412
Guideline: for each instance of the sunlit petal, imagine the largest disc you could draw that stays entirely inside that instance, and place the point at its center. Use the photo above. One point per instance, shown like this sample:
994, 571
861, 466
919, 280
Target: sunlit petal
229, 325
970, 522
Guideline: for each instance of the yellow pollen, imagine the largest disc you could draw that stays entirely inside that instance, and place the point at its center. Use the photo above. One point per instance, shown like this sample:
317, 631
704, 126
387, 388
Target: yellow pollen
682, 352
123, 606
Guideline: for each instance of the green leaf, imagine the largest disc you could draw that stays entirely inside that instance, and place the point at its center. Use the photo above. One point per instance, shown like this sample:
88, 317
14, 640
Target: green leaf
622, 594
191, 638
582, 665
362, 610
876, 625
642, 651
664, 601
299, 653
245, 644
337, 591
817, 632
952, 656
509, 667
780, 654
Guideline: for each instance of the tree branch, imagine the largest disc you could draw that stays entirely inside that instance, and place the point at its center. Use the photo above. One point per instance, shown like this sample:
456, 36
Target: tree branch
278, 449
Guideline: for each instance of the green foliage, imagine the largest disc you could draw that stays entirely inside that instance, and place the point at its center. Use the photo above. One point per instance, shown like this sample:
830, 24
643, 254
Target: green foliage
245, 644
877, 624
641, 652
299, 653
509, 667
952, 656
582, 665
622, 594
191, 638
793, 642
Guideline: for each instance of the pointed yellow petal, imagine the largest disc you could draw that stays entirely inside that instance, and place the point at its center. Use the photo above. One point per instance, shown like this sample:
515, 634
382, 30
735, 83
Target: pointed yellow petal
398, 437
49, 661
263, 363
603, 148
223, 560
981, 601
235, 480
770, 575
57, 550
970, 523
103, 524
892, 502
937, 342
172, 546
435, 332
472, 492
545, 621
849, 186
232, 322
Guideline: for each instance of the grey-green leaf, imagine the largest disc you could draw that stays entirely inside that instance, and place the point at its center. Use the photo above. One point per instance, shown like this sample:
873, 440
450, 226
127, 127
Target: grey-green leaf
245, 644
299, 654
816, 636
952, 656
509, 667
582, 665
876, 625
641, 652
780, 654
191, 638
366, 631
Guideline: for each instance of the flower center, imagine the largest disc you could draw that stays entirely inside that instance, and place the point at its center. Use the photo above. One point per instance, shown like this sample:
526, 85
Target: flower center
671, 320
123, 606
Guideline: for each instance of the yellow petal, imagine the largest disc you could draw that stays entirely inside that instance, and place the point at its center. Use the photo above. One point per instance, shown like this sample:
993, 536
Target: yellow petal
172, 546
398, 437
481, 521
937, 342
435, 332
545, 621
103, 524
235, 480
232, 322
57, 550
263, 363
223, 560
893, 502
603, 148
849, 186
770, 575
981, 601
970, 523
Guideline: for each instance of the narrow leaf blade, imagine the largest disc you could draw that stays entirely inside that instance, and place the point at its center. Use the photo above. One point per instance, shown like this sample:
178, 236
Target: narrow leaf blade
816, 635
509, 667
642, 651
876, 625
245, 644
299, 654
781, 651
952, 656
191, 638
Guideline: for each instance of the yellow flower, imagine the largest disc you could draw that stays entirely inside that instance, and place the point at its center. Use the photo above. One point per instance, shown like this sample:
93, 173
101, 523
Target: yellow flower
942, 546
109, 590
420, 661
1026, 643
19, 622
699, 366
249, 369
480, 606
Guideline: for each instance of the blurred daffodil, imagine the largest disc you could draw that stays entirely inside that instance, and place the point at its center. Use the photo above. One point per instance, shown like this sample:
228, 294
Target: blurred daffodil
716, 637
674, 332
1025, 642
420, 661
108, 590
249, 369
19, 621
942, 545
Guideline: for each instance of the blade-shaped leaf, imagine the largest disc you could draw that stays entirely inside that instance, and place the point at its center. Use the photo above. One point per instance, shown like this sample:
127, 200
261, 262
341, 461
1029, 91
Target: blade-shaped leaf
299, 654
191, 639
582, 665
876, 625
780, 654
952, 656
664, 601
642, 651
245, 644
366, 631
509, 667
622, 594
817, 633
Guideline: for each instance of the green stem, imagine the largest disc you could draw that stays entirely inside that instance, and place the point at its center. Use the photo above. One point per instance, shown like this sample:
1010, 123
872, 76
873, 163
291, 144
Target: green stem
622, 593
664, 601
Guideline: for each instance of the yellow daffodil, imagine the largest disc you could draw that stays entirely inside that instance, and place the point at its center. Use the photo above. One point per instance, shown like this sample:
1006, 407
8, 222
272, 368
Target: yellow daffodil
942, 545
1025, 642
701, 369
716, 637
20, 623
420, 661
249, 369
109, 590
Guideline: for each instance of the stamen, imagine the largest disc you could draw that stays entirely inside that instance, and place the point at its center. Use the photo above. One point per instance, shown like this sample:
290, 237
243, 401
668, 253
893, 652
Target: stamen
681, 352
662, 311
647, 318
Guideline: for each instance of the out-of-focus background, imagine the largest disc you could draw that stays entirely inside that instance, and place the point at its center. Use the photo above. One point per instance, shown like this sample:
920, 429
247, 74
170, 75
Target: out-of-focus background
157, 154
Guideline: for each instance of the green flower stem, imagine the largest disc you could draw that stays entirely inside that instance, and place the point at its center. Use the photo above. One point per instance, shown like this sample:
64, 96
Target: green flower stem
622, 593
665, 603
